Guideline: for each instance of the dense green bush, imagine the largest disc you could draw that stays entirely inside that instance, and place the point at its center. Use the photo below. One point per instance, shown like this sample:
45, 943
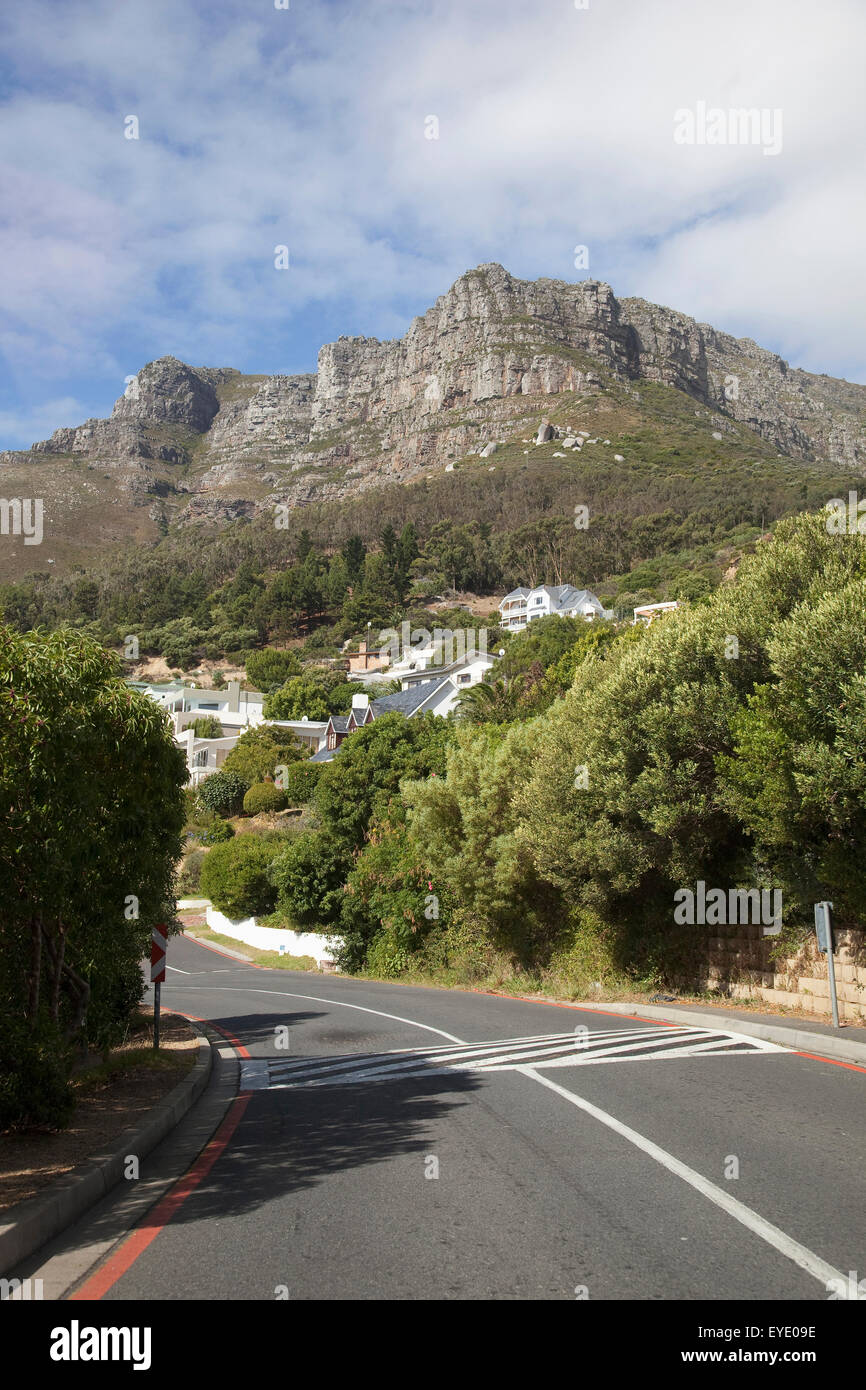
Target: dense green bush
358, 784
34, 1077
260, 753
235, 876
390, 889
298, 697
223, 793
91, 788
264, 798
309, 874
299, 781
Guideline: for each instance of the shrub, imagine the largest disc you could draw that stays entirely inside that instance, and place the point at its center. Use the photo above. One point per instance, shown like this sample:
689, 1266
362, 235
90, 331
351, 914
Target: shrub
264, 798
299, 782
259, 752
299, 696
386, 956
235, 876
34, 1078
223, 793
177, 654
218, 833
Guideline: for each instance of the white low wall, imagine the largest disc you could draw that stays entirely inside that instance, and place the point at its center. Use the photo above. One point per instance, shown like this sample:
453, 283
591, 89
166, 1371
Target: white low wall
293, 943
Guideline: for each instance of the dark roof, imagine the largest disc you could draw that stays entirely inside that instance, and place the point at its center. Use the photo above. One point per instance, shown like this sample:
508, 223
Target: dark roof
324, 755
408, 701
340, 723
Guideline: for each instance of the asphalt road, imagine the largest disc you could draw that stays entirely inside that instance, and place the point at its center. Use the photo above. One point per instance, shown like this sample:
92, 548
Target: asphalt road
373, 1154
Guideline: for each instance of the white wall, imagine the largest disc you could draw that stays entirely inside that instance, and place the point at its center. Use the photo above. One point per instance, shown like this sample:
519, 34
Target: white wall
321, 948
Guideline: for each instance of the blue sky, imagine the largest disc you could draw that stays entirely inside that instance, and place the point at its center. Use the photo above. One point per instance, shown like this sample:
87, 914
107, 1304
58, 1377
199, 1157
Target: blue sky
305, 127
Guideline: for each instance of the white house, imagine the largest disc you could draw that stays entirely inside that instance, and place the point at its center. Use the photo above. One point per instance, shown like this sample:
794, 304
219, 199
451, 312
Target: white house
204, 756
235, 708
310, 733
467, 670
522, 605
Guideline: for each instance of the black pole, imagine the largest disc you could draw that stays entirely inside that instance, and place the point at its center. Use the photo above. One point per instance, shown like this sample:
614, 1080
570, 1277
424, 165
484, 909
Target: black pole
157, 987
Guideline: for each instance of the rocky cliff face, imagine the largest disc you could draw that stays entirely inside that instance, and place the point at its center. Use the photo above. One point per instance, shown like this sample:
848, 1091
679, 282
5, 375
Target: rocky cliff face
476, 366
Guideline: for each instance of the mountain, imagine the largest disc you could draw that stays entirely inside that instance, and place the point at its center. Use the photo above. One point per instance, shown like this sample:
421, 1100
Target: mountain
486, 364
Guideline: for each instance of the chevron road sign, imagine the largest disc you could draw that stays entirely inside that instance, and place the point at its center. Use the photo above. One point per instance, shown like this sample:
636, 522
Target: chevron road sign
157, 974
157, 955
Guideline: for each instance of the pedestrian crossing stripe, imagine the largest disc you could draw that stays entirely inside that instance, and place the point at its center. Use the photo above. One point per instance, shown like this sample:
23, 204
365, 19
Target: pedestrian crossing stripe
575, 1049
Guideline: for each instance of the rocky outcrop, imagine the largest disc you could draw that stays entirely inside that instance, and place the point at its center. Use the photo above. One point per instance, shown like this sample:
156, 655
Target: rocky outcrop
469, 372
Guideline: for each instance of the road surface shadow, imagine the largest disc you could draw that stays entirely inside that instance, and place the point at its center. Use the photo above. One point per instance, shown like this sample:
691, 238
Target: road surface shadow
290, 1139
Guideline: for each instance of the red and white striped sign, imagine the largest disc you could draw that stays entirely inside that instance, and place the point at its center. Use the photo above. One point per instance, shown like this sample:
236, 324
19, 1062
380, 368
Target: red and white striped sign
157, 955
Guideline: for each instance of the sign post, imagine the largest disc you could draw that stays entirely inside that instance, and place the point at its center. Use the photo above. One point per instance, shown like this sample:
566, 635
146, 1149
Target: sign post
824, 931
157, 974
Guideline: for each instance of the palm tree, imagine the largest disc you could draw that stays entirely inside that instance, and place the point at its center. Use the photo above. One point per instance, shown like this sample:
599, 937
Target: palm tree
497, 703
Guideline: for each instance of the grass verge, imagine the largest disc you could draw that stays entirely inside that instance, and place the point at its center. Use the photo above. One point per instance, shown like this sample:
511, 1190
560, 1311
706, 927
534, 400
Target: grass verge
272, 959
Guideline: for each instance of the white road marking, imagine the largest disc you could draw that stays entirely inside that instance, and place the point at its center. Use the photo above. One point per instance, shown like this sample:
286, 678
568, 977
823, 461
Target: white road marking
546, 1049
765, 1230
785, 1244
317, 999
177, 971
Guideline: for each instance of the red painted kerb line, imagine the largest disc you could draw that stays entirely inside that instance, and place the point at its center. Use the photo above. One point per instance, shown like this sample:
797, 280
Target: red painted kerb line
235, 1042
136, 1243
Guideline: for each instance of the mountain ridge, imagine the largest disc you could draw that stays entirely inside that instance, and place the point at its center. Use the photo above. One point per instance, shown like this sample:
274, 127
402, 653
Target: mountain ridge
491, 357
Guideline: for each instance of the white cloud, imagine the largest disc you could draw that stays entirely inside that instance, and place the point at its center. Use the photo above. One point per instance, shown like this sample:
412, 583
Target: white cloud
306, 127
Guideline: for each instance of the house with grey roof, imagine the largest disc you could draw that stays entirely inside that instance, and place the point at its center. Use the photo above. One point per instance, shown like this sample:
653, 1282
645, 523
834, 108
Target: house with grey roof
522, 605
427, 697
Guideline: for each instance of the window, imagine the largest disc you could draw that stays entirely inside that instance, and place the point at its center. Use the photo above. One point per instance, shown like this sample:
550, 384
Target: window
463, 680
201, 758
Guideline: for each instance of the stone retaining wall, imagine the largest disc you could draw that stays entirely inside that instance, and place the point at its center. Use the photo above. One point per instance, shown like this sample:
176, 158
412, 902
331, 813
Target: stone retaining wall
739, 963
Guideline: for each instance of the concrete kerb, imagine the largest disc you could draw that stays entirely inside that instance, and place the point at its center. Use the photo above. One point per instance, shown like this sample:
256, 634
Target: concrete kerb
40, 1218
799, 1040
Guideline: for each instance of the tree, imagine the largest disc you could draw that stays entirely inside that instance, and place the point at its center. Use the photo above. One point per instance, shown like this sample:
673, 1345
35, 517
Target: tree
494, 702
337, 582
259, 752
299, 782
371, 765
298, 697
545, 640
797, 776
309, 875
270, 668
390, 893
207, 726
465, 829
696, 753
235, 876
354, 552
92, 811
